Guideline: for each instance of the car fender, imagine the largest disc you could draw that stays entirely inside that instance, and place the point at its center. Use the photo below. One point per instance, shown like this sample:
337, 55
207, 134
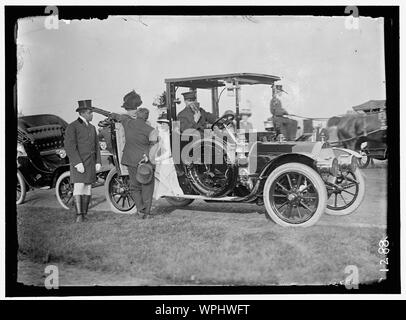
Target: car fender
58, 171
306, 159
348, 151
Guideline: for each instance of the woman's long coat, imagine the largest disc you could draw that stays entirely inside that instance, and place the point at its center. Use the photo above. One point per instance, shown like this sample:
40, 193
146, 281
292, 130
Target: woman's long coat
82, 145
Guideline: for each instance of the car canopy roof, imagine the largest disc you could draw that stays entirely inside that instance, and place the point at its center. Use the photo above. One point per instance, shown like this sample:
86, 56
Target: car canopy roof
204, 82
25, 122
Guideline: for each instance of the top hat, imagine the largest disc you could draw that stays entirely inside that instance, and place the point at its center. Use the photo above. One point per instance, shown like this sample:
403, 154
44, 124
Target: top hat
84, 105
145, 173
132, 101
190, 95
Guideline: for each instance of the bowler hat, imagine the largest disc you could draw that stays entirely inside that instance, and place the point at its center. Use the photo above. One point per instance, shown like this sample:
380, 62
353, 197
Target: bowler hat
190, 95
84, 105
145, 173
132, 101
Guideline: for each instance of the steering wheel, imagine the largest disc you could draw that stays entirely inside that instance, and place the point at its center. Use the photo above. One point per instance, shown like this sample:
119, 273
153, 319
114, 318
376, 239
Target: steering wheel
223, 121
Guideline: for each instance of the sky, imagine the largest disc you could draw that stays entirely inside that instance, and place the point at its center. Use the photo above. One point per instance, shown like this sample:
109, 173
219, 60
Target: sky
325, 67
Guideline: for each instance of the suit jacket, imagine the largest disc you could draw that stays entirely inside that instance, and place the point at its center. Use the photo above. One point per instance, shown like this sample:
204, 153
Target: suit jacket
139, 137
187, 121
82, 146
276, 107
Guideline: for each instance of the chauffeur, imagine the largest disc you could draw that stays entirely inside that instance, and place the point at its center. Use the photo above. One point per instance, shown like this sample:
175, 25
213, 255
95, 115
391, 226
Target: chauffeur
193, 116
82, 147
139, 137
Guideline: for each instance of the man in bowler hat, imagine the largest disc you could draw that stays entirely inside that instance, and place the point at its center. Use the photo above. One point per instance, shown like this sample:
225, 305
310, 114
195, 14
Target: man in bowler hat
82, 147
139, 137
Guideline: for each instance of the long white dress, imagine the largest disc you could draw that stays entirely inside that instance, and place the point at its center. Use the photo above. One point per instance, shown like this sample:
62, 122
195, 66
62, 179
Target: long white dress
166, 180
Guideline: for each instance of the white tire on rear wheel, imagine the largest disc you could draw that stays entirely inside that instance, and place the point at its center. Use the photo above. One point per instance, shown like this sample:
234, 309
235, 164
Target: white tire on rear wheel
21, 188
117, 192
354, 202
300, 189
64, 190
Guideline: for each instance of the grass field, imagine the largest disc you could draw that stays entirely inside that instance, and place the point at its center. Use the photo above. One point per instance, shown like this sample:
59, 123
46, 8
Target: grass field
185, 247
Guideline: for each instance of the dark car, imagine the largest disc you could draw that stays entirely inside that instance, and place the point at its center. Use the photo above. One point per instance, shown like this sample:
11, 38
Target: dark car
295, 181
41, 159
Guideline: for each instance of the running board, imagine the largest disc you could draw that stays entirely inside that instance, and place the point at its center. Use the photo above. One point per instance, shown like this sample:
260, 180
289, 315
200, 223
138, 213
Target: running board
196, 197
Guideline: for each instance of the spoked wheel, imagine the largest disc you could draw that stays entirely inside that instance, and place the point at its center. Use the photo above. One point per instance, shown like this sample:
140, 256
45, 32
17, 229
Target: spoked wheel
179, 202
64, 190
345, 193
21, 188
294, 195
119, 194
214, 178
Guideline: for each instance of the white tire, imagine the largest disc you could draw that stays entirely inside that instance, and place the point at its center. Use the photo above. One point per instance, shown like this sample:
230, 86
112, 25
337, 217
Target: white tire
118, 193
21, 188
64, 190
294, 195
347, 200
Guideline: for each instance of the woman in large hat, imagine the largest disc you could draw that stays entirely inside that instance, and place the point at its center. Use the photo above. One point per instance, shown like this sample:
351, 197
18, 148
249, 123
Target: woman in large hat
82, 147
139, 137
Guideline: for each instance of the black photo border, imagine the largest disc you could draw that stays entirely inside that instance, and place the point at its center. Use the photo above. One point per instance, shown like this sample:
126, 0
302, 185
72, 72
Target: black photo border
391, 33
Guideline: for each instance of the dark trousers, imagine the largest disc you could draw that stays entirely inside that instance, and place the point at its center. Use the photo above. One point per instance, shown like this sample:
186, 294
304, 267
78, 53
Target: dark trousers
142, 193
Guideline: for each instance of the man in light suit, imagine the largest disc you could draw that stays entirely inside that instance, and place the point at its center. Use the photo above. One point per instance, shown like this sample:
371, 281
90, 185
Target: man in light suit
82, 147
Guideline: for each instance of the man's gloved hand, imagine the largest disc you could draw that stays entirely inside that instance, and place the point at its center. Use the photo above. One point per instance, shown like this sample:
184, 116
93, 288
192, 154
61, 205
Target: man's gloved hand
98, 167
80, 168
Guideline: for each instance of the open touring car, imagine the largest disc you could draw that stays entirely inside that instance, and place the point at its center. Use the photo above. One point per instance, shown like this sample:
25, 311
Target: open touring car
296, 181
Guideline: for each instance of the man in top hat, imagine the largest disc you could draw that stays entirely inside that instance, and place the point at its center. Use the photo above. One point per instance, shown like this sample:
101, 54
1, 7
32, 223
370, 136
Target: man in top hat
193, 116
82, 147
139, 137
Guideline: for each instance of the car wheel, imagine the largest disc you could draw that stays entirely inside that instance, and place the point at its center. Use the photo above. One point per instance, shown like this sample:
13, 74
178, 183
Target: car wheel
345, 193
64, 191
179, 202
21, 188
118, 193
294, 195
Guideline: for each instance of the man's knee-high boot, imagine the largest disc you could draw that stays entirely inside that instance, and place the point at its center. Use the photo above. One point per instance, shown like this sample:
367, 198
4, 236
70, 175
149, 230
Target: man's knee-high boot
78, 208
85, 204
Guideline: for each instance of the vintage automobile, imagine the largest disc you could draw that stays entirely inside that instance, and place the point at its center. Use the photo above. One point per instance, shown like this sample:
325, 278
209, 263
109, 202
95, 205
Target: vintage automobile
296, 182
41, 159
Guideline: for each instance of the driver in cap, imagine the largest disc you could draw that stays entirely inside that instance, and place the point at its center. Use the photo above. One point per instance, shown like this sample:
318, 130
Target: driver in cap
193, 116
